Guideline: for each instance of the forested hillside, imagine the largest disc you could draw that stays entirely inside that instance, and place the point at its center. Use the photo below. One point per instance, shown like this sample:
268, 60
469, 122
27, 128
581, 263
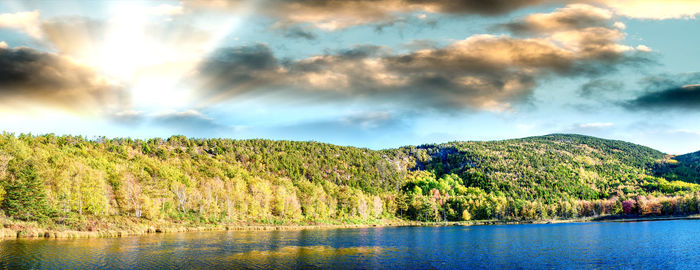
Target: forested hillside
549, 176
548, 168
70, 180
684, 168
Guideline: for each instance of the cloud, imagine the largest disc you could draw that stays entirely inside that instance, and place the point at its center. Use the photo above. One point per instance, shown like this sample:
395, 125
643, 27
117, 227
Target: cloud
34, 77
27, 22
182, 122
600, 87
668, 92
235, 70
481, 72
572, 17
666, 81
584, 28
298, 32
76, 36
188, 120
334, 15
684, 97
654, 9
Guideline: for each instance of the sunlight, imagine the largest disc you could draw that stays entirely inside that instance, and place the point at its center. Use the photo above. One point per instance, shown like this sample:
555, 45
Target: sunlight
124, 50
151, 53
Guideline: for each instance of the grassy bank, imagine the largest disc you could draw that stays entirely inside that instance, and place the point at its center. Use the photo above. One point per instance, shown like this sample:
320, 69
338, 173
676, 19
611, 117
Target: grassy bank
129, 227
13, 229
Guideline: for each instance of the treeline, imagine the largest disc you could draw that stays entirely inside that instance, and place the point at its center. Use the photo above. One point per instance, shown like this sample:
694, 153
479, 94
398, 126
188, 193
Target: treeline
67, 179
179, 179
425, 198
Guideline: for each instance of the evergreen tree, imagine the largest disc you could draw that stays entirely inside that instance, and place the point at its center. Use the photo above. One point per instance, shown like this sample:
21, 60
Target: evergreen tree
25, 196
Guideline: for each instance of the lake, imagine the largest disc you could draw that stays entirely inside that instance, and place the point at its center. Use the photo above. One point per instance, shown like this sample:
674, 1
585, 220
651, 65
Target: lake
634, 245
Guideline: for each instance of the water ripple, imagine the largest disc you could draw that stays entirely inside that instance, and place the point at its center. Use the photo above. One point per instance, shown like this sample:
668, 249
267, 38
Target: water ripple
664, 244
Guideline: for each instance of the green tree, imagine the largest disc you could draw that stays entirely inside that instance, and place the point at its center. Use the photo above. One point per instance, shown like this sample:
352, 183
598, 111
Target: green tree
25, 196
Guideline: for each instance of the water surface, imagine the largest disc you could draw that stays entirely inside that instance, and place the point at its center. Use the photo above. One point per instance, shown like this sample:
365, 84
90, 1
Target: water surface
637, 245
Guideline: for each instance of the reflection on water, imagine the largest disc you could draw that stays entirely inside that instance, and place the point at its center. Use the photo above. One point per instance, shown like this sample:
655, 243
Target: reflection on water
311, 256
664, 244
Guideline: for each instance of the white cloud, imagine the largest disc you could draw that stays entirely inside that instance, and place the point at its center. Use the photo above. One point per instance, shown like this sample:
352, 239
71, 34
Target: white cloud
620, 25
655, 9
27, 22
643, 48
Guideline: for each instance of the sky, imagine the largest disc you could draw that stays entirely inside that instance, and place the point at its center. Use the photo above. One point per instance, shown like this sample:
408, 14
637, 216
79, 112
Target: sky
376, 74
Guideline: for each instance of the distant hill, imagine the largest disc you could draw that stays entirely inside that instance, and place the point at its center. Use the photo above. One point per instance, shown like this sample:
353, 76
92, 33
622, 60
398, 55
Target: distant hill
682, 168
548, 168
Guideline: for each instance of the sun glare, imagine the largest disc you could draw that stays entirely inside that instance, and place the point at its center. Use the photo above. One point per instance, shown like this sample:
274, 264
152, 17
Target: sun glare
124, 49
148, 58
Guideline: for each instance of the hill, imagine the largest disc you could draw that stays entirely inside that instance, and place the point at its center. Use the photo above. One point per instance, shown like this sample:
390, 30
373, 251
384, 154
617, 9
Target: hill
548, 168
683, 168
72, 182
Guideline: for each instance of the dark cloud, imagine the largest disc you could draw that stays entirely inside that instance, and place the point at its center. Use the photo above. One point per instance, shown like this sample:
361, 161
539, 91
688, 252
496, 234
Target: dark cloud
32, 76
235, 70
685, 97
298, 32
380, 26
668, 92
360, 52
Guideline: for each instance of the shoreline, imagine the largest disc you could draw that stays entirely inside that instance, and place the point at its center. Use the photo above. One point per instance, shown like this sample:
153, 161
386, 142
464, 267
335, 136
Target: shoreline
7, 233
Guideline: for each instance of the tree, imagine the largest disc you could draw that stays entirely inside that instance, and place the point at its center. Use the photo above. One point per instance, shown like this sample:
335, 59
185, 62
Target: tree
133, 193
25, 196
180, 191
466, 215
